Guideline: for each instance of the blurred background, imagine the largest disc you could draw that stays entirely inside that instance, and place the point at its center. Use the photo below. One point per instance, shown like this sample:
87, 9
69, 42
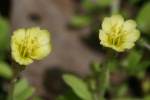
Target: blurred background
74, 27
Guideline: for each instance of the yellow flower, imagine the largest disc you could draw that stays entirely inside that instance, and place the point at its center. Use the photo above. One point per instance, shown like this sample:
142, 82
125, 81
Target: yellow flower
118, 34
30, 44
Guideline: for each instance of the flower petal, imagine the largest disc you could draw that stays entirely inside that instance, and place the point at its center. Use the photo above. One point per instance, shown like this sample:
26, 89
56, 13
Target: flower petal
129, 25
114, 22
117, 20
41, 52
104, 38
133, 35
19, 35
128, 45
106, 25
21, 60
43, 37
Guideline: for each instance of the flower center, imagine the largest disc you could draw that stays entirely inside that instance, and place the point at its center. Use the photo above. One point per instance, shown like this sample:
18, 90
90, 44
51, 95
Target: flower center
28, 46
115, 38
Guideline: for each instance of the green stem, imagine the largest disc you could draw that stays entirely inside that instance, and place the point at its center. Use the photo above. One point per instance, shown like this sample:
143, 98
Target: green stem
144, 44
11, 90
115, 6
95, 97
17, 72
107, 77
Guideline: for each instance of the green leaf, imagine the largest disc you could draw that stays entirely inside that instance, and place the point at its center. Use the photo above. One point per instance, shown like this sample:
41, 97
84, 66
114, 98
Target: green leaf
143, 18
134, 1
145, 64
22, 90
88, 5
91, 5
36, 98
5, 70
80, 21
147, 97
4, 29
104, 3
133, 59
78, 86
95, 67
61, 98
134, 64
122, 90
4, 37
103, 81
68, 95
112, 64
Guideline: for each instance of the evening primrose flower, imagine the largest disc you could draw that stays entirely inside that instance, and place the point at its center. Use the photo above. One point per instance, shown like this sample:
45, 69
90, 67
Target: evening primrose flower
30, 44
118, 34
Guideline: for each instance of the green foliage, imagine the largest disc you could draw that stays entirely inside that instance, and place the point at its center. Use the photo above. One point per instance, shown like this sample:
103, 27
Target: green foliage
146, 86
78, 86
133, 59
22, 90
99, 82
5, 70
4, 36
103, 81
95, 68
91, 5
112, 65
80, 21
134, 65
134, 1
143, 18
104, 3
69, 95
88, 4
121, 90
36, 98
147, 97
61, 98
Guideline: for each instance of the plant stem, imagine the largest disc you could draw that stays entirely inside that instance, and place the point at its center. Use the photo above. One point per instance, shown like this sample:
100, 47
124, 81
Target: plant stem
11, 90
145, 44
95, 97
107, 77
115, 6
17, 72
